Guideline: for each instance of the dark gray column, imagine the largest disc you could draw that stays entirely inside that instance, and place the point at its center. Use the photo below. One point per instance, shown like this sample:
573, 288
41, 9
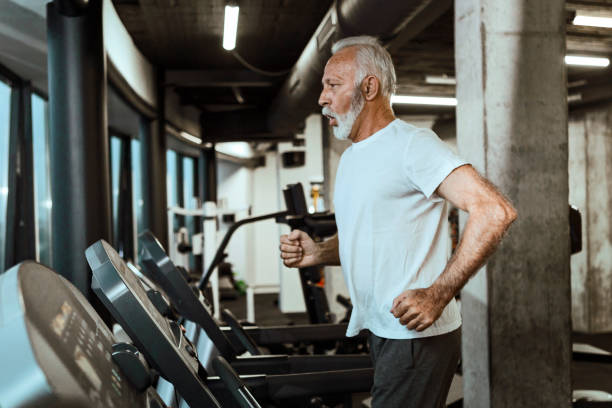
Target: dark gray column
207, 169
154, 177
78, 136
512, 125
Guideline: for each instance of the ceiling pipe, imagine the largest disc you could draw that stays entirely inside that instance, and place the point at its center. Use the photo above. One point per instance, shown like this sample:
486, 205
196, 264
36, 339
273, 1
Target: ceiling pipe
393, 24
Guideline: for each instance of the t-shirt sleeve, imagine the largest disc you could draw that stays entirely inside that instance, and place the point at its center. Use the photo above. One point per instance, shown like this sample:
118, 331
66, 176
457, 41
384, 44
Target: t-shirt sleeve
428, 161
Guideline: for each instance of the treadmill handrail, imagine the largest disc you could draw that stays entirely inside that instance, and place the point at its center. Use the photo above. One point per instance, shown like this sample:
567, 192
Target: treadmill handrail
228, 235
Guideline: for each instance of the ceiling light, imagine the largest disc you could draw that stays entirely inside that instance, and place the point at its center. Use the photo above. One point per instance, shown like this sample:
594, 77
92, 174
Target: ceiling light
230, 27
191, 137
241, 150
424, 100
586, 61
591, 20
440, 80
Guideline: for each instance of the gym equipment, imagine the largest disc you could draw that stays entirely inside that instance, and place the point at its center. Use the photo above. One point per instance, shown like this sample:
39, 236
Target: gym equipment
168, 351
57, 352
155, 261
318, 226
192, 307
575, 223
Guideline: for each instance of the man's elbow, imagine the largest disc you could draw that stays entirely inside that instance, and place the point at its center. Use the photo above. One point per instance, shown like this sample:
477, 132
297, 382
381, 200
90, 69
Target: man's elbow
505, 213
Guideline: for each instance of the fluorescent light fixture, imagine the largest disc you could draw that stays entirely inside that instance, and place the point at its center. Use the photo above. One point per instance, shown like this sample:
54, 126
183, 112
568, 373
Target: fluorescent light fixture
574, 97
191, 137
584, 19
230, 27
585, 61
424, 100
440, 80
241, 150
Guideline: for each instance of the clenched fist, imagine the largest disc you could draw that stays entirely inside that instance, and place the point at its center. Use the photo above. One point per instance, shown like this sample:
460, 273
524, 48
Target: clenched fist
298, 250
417, 309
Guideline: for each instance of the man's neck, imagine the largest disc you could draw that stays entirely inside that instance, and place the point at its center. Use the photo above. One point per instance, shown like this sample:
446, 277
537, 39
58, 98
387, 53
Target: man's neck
371, 120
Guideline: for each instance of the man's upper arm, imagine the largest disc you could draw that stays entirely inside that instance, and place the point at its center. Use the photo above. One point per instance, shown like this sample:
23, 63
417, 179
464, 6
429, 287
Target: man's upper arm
466, 189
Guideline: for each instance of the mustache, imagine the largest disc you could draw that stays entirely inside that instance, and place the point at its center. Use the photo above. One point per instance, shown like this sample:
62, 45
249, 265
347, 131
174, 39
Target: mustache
326, 111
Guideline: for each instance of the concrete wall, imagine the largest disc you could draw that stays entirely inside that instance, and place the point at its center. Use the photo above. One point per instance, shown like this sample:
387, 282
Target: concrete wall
253, 249
291, 299
266, 256
590, 182
235, 195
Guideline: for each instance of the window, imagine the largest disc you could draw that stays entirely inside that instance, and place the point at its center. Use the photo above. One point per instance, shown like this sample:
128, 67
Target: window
171, 178
181, 183
137, 196
42, 179
5, 107
115, 162
127, 195
189, 199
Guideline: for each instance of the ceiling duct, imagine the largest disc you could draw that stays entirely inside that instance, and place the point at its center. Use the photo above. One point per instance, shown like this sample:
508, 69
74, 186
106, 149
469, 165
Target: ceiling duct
391, 21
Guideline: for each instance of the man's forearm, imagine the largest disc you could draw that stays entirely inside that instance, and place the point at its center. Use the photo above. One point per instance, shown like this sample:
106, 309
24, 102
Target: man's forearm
327, 252
483, 232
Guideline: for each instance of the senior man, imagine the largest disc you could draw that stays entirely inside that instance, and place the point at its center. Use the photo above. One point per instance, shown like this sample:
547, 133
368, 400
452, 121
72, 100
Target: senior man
391, 193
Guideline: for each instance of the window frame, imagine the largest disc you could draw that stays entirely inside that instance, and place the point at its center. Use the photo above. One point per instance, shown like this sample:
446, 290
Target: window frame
20, 239
124, 239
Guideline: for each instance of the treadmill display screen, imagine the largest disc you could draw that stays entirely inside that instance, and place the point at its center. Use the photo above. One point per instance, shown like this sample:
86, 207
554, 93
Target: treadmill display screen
59, 318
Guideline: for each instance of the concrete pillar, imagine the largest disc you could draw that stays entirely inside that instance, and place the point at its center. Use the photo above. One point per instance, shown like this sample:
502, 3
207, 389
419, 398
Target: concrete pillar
512, 126
590, 173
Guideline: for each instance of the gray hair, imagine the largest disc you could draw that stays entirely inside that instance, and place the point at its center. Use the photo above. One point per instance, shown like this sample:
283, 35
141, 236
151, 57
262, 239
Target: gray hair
372, 59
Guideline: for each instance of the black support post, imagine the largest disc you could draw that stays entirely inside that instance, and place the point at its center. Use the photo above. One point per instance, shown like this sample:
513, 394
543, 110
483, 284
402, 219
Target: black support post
154, 162
79, 147
207, 177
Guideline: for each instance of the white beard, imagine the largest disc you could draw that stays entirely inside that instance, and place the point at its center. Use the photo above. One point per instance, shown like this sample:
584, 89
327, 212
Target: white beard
346, 121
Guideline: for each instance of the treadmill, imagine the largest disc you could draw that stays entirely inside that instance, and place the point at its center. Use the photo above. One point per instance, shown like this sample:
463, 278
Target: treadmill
58, 353
166, 348
192, 307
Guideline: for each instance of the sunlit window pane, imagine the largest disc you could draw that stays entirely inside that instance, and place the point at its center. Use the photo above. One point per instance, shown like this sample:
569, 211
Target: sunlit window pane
137, 198
171, 176
5, 107
172, 182
42, 179
189, 200
115, 179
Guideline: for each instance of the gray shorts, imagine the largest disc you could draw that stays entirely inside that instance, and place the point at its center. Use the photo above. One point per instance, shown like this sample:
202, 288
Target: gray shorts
414, 373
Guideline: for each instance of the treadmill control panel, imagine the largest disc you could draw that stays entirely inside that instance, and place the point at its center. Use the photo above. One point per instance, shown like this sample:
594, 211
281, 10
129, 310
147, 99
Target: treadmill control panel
67, 347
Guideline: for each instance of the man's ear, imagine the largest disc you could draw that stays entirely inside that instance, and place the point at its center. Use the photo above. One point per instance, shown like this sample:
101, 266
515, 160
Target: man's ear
370, 87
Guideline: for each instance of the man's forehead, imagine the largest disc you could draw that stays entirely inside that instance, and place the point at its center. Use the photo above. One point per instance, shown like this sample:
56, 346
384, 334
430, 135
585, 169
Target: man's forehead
340, 65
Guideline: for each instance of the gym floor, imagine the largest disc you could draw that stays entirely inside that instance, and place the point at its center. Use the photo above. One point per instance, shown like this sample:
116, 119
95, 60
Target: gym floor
267, 312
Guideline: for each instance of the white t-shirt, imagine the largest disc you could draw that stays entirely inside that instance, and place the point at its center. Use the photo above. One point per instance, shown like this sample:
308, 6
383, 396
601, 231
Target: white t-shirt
392, 229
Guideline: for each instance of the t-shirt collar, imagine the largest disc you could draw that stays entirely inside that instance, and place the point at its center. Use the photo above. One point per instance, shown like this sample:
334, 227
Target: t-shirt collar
374, 136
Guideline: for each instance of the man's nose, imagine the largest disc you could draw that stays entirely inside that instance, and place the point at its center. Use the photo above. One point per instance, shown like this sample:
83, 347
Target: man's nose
323, 99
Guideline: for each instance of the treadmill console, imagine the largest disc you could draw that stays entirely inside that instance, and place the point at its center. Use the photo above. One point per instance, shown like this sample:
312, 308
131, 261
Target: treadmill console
160, 340
56, 351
